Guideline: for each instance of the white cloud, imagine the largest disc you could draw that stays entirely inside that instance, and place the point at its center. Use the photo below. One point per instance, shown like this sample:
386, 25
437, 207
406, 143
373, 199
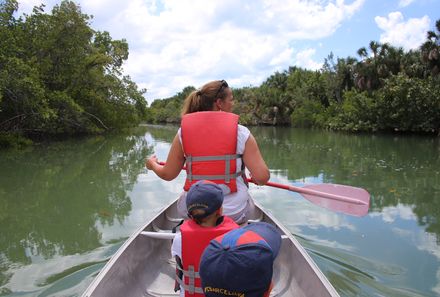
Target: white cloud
404, 3
304, 59
408, 34
424, 241
176, 43
400, 211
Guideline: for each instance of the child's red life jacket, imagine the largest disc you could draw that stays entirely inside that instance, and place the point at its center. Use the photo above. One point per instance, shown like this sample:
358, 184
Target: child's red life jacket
194, 241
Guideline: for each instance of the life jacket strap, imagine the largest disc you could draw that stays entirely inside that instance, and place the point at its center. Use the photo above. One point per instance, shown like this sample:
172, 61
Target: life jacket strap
192, 275
226, 177
179, 274
217, 177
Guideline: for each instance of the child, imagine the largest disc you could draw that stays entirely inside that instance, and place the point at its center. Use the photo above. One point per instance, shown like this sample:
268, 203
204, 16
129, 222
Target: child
204, 205
240, 262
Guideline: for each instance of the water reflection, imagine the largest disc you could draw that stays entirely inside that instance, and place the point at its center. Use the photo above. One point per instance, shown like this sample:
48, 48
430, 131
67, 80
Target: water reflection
395, 170
53, 197
162, 133
66, 207
396, 246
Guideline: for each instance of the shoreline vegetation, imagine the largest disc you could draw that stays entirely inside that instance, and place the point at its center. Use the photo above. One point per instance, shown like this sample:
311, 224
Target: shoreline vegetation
386, 90
60, 78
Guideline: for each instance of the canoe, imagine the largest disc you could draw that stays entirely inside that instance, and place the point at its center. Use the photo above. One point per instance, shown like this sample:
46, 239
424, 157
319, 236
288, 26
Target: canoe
143, 265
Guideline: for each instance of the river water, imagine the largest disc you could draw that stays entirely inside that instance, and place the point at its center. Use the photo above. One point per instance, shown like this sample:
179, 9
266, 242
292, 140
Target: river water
66, 207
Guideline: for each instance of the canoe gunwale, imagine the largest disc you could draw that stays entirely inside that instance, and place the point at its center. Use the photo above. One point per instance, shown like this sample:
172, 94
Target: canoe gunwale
97, 280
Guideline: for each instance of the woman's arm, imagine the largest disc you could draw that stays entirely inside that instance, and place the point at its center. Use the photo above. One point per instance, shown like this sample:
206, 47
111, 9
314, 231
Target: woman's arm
173, 165
254, 162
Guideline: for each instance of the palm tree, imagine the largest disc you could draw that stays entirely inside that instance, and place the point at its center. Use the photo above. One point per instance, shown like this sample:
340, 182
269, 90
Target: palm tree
366, 77
431, 51
362, 52
374, 47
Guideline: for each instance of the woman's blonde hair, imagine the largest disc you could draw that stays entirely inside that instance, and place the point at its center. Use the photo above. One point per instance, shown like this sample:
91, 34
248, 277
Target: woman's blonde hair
204, 98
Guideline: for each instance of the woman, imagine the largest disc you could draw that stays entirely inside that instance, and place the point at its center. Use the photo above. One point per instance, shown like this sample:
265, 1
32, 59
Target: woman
214, 147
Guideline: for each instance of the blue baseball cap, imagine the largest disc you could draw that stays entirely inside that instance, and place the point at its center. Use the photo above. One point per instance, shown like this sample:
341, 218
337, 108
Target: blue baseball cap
240, 262
206, 196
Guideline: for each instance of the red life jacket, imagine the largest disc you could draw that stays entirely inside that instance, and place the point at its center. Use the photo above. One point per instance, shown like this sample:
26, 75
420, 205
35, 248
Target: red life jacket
194, 241
209, 140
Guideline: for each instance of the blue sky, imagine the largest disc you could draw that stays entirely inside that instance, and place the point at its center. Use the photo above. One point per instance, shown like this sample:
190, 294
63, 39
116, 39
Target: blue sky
179, 43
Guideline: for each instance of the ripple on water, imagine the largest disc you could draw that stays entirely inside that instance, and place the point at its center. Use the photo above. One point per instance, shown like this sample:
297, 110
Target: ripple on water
72, 281
353, 275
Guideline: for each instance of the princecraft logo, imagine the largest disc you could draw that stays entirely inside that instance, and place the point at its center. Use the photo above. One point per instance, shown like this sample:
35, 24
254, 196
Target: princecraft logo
201, 205
223, 292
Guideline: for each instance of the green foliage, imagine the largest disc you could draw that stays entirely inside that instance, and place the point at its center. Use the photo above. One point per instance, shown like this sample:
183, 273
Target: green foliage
338, 76
247, 105
59, 76
308, 115
168, 110
8, 140
356, 113
409, 104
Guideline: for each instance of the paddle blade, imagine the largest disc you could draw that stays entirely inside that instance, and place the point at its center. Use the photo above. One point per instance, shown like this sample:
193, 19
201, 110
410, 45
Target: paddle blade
341, 198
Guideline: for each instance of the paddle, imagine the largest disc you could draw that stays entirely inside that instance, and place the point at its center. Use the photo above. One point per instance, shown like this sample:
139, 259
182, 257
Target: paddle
340, 198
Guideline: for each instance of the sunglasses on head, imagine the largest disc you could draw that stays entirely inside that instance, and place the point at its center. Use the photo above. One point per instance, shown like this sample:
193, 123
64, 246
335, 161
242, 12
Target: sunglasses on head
224, 84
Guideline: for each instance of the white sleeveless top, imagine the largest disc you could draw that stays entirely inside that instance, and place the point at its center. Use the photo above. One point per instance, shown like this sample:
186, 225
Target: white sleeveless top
233, 203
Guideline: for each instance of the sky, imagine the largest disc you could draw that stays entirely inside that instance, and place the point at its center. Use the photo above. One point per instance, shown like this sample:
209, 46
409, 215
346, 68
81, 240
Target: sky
178, 43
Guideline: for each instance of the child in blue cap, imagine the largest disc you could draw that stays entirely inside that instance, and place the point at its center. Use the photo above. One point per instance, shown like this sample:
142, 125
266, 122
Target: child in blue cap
204, 205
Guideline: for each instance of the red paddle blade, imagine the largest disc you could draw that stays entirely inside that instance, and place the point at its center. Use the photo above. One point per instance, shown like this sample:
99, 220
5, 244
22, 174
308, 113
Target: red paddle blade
345, 199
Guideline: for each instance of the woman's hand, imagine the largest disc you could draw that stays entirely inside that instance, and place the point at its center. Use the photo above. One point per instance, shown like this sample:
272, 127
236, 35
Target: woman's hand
151, 161
173, 165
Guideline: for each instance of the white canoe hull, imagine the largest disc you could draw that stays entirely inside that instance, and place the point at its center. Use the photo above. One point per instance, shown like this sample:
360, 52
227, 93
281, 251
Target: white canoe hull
143, 265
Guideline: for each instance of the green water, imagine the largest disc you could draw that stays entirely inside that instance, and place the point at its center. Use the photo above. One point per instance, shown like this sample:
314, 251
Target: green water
66, 207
